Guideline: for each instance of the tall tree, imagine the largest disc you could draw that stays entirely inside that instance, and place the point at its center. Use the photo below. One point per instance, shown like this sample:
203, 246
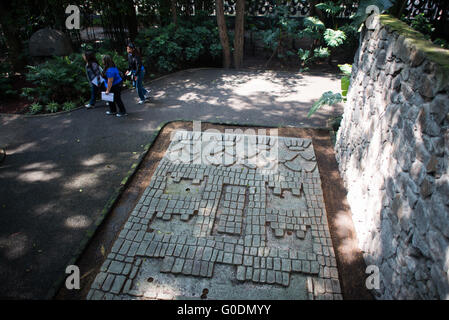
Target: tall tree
223, 32
239, 37
174, 14
11, 14
131, 18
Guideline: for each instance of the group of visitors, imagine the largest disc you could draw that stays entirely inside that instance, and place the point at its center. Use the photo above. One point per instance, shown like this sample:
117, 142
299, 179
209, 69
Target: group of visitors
109, 79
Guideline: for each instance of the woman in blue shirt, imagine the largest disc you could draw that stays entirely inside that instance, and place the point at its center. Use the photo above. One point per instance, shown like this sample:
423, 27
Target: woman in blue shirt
137, 70
113, 84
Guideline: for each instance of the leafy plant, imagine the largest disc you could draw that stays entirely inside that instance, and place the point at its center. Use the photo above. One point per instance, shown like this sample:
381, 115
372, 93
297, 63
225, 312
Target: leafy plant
332, 9
330, 98
69, 105
172, 47
120, 60
6, 88
334, 38
36, 108
281, 31
59, 79
321, 53
52, 107
422, 24
442, 43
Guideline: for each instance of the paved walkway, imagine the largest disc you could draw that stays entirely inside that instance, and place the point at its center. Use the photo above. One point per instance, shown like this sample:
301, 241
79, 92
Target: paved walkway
61, 170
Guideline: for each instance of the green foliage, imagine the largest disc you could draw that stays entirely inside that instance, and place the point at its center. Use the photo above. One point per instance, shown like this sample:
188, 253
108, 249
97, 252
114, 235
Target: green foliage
6, 88
36, 108
346, 69
281, 30
69, 105
421, 24
173, 47
313, 28
321, 53
120, 59
334, 38
442, 43
52, 107
328, 98
59, 79
330, 8
352, 36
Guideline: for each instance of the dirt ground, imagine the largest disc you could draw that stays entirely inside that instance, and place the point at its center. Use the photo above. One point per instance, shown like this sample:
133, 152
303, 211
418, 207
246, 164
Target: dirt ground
351, 265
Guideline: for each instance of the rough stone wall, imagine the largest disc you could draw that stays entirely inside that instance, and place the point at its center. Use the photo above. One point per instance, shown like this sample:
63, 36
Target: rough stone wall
393, 153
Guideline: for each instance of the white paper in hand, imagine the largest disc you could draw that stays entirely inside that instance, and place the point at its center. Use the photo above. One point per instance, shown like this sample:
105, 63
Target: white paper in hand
95, 81
107, 97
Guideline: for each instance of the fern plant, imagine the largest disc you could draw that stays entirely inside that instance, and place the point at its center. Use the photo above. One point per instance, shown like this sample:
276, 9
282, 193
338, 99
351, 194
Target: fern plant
36, 108
52, 107
68, 106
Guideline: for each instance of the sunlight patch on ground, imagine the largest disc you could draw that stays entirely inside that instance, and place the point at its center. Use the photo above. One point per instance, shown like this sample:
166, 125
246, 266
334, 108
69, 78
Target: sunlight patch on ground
78, 222
22, 148
38, 176
93, 161
14, 246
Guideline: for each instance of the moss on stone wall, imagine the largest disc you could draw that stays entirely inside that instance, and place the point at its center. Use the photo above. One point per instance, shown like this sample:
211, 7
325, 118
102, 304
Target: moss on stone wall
433, 52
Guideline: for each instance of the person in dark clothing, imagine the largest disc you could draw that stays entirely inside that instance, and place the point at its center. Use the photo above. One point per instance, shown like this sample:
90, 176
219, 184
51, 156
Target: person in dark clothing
135, 67
113, 83
93, 74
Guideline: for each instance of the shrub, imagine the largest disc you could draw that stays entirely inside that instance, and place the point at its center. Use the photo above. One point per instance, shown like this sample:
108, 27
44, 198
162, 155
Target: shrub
172, 48
6, 88
36, 108
52, 107
442, 43
59, 79
69, 105
119, 59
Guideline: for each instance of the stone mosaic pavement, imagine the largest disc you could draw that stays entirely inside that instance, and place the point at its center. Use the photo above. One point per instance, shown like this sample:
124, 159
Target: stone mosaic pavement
226, 216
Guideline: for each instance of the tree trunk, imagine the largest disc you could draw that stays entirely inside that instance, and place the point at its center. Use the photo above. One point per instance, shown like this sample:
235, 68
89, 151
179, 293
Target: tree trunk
12, 36
398, 8
223, 32
314, 11
239, 37
173, 12
132, 20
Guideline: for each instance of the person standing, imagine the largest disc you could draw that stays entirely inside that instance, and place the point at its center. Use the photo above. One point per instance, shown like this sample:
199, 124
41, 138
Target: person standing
113, 83
93, 73
136, 68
